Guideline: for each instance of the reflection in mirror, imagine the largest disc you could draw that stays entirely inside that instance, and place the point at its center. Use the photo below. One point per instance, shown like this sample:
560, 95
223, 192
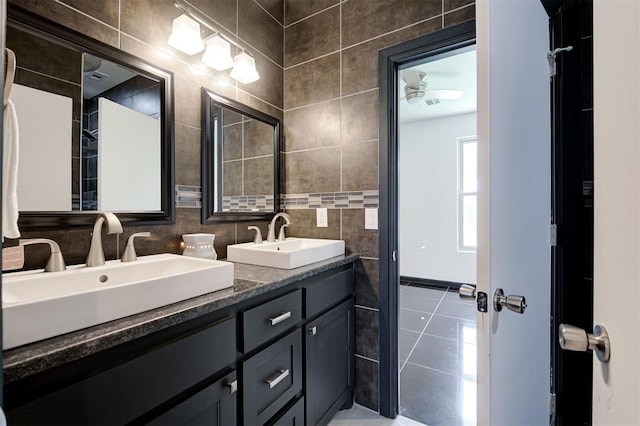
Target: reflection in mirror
240, 161
96, 128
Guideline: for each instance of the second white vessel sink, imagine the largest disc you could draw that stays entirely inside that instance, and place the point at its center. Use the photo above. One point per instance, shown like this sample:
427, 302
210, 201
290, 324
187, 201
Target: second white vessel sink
288, 254
38, 305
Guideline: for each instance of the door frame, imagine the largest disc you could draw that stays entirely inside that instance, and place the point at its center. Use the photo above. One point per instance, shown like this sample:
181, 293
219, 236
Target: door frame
390, 60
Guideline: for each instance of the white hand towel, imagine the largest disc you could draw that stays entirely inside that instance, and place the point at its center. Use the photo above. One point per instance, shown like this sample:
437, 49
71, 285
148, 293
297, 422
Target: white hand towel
10, 150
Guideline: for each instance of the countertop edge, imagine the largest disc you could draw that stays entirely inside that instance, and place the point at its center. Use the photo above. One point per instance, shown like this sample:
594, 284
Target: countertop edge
30, 359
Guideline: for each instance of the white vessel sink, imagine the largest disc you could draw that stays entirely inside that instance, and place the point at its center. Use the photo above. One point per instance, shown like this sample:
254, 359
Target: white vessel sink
288, 254
39, 305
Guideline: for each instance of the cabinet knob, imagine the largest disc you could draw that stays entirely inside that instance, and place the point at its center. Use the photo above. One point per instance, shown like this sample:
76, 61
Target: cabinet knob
313, 330
233, 386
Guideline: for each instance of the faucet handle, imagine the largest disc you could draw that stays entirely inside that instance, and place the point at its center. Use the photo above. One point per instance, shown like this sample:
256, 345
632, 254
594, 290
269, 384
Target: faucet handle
55, 263
129, 254
258, 237
281, 236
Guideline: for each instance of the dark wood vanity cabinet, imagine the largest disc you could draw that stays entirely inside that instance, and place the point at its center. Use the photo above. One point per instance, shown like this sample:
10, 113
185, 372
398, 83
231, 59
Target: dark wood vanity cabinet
281, 358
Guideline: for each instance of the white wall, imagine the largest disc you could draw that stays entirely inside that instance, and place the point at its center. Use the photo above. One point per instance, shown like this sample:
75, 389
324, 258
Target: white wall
128, 159
428, 183
616, 281
44, 166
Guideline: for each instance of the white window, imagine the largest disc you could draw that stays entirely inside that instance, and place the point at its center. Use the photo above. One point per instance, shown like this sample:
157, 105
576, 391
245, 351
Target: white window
467, 193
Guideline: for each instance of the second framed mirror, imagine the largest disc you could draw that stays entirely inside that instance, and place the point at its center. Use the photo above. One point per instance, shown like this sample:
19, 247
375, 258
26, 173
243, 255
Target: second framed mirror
240, 161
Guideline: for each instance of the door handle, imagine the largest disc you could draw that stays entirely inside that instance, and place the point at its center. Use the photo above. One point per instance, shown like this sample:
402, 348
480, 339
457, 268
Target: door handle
514, 303
468, 292
576, 339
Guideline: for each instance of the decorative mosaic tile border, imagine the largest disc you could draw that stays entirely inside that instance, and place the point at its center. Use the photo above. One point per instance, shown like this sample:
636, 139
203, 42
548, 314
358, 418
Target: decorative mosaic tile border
331, 200
247, 203
188, 197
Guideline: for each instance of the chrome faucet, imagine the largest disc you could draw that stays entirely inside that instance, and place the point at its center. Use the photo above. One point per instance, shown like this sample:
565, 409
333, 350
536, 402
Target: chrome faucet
271, 235
96, 252
56, 261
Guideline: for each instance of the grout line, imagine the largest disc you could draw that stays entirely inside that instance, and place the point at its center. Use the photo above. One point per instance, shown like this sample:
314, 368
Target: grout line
425, 327
431, 368
390, 32
269, 13
252, 47
367, 358
312, 59
85, 14
312, 149
367, 308
369, 258
442, 13
49, 76
329, 100
313, 14
187, 125
261, 100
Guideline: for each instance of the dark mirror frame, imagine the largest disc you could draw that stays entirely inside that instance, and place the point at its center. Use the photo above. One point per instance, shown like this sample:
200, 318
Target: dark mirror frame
209, 192
41, 220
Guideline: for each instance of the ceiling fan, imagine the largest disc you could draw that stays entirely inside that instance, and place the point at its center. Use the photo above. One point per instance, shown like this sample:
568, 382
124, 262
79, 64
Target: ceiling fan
416, 91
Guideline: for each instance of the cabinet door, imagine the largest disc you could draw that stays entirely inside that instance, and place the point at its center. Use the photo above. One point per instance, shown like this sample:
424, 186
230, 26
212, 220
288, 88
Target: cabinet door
329, 345
214, 405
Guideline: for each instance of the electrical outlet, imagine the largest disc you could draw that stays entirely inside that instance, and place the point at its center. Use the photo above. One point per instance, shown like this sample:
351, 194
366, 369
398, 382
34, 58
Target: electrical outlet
321, 218
370, 218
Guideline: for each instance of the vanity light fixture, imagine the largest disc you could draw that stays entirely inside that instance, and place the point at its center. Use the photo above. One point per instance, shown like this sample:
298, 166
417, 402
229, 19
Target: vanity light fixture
244, 68
218, 53
185, 35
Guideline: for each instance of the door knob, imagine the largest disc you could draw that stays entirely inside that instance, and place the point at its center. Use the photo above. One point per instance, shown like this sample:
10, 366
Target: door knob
468, 292
576, 339
514, 303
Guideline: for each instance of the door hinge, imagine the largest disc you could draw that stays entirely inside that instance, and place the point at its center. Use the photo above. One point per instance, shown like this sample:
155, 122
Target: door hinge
552, 407
551, 58
553, 235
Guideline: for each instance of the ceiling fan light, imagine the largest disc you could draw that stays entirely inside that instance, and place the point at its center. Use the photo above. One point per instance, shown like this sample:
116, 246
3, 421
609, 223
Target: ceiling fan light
415, 95
218, 54
185, 35
244, 68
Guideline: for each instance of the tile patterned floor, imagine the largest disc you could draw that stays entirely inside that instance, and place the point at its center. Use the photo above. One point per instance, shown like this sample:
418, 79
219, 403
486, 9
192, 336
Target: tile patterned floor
437, 352
362, 416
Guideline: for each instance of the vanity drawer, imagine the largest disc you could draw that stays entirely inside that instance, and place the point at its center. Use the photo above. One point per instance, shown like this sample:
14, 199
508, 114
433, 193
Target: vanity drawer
294, 416
270, 319
323, 294
121, 394
271, 378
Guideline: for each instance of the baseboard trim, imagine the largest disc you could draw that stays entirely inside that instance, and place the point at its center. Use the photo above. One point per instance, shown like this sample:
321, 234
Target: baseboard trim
427, 282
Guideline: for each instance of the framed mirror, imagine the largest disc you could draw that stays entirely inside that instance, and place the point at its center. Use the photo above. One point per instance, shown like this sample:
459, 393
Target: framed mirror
96, 129
240, 161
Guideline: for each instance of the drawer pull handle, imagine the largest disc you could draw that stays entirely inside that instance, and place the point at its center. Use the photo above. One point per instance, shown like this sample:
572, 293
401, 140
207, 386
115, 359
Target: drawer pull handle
274, 382
233, 386
280, 318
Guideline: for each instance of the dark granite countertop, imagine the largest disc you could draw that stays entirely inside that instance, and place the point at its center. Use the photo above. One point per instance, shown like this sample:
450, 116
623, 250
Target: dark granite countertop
250, 281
